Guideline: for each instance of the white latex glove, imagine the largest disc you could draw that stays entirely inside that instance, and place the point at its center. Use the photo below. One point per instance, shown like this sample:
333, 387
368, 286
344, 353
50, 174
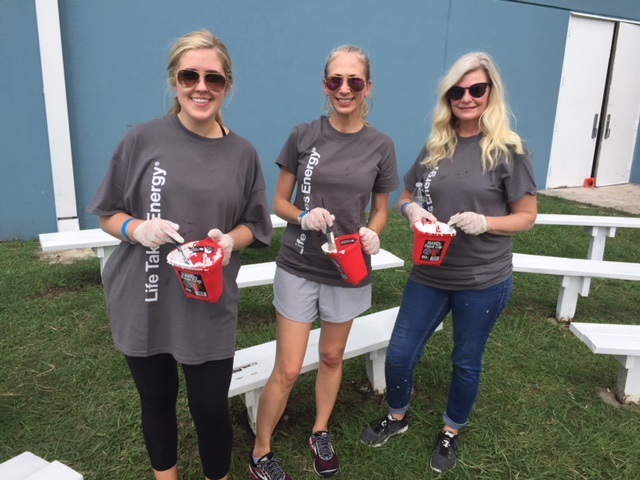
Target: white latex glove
471, 223
415, 213
226, 243
157, 231
317, 219
370, 241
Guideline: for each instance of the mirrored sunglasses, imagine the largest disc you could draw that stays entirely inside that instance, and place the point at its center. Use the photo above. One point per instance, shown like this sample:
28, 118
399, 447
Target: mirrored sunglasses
355, 84
476, 90
214, 81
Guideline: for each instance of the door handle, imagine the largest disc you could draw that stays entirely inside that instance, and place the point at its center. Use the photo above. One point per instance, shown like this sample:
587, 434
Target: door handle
607, 130
594, 130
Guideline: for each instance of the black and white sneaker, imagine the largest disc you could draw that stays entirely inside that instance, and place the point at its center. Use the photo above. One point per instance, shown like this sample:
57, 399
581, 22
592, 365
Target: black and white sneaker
445, 455
267, 468
382, 430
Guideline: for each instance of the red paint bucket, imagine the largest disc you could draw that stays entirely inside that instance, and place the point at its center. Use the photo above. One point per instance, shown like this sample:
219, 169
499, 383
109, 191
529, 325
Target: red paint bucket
201, 278
349, 258
431, 242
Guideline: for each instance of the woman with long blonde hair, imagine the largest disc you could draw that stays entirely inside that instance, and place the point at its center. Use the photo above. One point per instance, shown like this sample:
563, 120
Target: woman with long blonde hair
478, 178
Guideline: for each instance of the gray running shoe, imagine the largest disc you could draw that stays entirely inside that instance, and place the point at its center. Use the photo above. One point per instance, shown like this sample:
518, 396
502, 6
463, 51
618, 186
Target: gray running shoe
445, 455
267, 468
382, 430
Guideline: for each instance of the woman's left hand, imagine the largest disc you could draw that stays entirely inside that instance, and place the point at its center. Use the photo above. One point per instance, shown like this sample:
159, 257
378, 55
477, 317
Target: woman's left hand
370, 241
471, 223
226, 243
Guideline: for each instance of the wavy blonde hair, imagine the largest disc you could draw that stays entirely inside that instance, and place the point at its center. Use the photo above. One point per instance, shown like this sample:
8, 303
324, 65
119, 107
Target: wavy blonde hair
494, 121
199, 39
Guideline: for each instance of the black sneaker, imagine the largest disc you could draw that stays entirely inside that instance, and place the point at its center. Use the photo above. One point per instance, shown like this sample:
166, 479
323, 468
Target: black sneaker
267, 468
379, 432
445, 455
325, 458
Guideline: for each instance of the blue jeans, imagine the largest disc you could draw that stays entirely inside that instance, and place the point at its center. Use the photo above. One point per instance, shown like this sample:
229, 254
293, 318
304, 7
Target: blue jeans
474, 312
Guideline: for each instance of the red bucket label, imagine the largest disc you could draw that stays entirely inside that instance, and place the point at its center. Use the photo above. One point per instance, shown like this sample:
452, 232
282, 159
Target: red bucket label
432, 250
193, 283
202, 277
430, 247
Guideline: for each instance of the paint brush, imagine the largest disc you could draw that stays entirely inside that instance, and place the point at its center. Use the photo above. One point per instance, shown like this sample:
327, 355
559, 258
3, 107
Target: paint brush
331, 239
178, 244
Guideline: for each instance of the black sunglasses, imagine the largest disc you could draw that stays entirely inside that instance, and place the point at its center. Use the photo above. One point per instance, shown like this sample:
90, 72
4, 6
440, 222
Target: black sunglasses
476, 90
356, 84
214, 81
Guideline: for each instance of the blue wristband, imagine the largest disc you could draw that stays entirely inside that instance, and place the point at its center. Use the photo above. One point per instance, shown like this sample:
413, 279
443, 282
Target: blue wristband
302, 215
403, 207
124, 229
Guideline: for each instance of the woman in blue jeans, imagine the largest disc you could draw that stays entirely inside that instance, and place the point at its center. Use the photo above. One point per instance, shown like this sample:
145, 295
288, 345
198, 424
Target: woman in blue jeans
478, 176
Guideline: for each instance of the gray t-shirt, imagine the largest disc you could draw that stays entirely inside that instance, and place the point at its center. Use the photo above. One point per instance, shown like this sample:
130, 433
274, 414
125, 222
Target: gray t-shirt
343, 170
161, 169
473, 262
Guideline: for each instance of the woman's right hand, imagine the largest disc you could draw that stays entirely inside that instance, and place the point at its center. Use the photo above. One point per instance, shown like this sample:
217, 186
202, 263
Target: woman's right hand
157, 231
416, 213
317, 219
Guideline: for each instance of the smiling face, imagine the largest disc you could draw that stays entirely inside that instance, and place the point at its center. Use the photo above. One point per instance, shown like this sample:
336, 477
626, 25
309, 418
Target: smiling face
469, 109
198, 104
345, 102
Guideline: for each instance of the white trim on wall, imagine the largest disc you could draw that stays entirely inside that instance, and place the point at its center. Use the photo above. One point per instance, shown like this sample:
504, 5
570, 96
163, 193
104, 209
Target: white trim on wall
55, 99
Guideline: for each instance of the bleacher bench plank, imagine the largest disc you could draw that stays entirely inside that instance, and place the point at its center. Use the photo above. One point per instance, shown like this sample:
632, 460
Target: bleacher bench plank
598, 227
571, 271
102, 243
262, 273
369, 336
28, 466
621, 341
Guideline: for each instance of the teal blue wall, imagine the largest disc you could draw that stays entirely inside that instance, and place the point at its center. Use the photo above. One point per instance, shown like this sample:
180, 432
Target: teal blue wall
115, 62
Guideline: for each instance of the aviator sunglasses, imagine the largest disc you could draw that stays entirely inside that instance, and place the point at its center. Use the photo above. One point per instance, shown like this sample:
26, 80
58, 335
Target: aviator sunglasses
356, 84
476, 90
214, 81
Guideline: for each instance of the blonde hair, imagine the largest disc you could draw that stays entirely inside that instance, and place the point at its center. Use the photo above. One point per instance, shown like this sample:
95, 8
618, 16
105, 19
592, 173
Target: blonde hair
494, 121
365, 108
199, 39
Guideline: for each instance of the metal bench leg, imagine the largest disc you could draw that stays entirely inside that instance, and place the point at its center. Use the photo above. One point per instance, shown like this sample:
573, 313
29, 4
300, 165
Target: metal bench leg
568, 298
251, 400
629, 379
375, 370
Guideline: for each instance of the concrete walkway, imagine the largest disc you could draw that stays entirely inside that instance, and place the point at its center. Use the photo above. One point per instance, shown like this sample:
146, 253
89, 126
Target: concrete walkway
624, 197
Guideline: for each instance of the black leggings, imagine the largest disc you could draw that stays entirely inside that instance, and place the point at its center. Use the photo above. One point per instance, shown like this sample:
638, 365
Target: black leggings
157, 381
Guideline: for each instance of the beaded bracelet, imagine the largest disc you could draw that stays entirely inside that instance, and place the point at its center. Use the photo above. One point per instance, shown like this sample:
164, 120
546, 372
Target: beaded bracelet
124, 229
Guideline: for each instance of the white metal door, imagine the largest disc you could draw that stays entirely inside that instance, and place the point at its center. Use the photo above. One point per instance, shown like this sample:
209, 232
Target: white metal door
623, 110
584, 76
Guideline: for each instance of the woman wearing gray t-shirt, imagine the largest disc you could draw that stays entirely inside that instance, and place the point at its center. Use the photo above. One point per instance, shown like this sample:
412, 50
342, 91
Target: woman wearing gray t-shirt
335, 166
477, 176
187, 168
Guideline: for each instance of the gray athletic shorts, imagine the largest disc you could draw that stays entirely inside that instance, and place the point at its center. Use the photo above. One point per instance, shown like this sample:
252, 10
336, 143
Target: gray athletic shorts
304, 301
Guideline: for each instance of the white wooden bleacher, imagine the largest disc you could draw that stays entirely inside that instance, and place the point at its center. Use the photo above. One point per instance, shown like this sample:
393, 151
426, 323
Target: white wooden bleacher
98, 240
262, 273
621, 341
369, 336
254, 364
597, 227
28, 466
570, 272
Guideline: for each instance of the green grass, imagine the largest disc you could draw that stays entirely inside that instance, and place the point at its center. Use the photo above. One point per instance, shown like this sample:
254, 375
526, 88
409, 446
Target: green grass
66, 394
